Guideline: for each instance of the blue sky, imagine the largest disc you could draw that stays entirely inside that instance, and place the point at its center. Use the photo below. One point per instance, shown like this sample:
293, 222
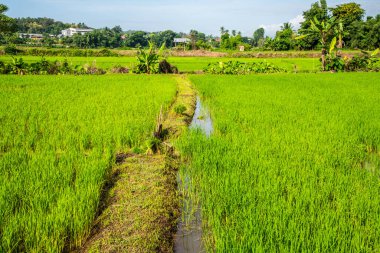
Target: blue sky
178, 15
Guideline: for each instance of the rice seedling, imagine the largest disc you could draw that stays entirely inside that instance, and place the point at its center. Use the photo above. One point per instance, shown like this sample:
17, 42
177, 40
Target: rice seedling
59, 138
293, 164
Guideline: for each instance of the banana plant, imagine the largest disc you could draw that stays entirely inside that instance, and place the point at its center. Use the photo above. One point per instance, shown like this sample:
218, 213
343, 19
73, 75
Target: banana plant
148, 59
18, 66
340, 32
324, 29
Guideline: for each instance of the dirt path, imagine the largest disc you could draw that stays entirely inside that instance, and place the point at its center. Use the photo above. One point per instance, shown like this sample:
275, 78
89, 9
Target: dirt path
141, 206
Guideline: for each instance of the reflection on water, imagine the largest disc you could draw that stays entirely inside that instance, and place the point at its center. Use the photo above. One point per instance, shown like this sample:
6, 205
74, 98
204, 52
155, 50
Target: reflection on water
189, 234
202, 119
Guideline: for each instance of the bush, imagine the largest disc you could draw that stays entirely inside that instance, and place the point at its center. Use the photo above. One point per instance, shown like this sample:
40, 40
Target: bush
118, 69
45, 67
105, 53
334, 63
364, 62
240, 68
165, 67
90, 70
12, 50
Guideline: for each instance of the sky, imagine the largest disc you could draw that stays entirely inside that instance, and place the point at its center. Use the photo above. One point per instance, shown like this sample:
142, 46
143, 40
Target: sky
178, 15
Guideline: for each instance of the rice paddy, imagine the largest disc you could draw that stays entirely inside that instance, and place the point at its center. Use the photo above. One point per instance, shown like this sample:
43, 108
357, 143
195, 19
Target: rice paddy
58, 141
184, 64
293, 164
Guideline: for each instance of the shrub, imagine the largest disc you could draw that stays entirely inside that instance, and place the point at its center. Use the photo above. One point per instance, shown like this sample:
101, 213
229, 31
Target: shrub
105, 53
118, 69
334, 63
166, 68
12, 50
240, 68
45, 67
91, 70
364, 62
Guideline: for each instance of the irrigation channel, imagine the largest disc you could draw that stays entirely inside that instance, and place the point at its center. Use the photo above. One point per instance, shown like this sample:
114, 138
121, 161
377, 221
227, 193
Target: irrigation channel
189, 234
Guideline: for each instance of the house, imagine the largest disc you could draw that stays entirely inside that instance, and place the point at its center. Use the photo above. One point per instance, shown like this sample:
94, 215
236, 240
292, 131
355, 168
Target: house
181, 41
33, 36
71, 31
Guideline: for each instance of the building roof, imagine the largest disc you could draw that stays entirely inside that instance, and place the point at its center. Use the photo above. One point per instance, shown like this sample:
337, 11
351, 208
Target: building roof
181, 40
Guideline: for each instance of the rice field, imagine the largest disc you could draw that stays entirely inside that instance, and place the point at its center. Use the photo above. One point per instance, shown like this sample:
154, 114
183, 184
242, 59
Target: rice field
58, 141
184, 64
293, 164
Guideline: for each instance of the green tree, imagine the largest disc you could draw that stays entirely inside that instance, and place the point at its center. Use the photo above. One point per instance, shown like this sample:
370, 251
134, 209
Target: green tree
284, 38
222, 30
258, 36
348, 13
137, 38
196, 37
287, 26
7, 24
318, 10
164, 37
231, 42
366, 35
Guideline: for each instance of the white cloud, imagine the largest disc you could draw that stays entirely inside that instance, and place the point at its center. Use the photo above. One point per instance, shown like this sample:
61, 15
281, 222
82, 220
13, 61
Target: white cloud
271, 29
296, 22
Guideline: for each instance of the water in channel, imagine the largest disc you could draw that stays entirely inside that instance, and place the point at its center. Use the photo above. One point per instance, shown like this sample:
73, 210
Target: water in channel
189, 232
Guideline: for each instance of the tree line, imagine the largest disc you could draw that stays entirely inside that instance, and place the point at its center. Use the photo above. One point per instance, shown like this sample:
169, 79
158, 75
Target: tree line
355, 31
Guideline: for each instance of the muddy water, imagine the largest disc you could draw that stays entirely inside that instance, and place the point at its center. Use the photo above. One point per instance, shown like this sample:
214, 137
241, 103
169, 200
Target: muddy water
189, 234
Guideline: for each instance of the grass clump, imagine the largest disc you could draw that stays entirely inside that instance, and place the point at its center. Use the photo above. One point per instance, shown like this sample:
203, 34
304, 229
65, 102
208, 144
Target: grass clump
180, 109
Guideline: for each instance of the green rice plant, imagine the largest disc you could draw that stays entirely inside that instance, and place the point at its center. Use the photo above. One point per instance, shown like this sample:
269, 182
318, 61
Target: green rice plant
58, 141
293, 164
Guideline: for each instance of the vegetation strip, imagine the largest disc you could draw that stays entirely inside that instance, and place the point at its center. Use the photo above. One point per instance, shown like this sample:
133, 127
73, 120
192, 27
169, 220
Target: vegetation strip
142, 206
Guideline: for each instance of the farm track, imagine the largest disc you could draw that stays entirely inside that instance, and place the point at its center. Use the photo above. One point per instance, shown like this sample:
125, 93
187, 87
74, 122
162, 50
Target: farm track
140, 207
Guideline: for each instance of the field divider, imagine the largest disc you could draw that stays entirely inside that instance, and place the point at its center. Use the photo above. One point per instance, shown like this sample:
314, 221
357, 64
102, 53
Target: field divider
140, 209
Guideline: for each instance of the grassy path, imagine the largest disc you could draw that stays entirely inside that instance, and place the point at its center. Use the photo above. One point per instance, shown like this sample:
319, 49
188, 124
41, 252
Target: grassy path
141, 205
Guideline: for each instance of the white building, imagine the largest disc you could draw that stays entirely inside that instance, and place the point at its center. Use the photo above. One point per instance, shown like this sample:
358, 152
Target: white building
33, 36
71, 31
181, 40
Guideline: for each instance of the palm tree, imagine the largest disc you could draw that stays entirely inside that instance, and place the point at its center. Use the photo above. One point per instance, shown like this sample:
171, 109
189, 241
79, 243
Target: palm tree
222, 30
287, 26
